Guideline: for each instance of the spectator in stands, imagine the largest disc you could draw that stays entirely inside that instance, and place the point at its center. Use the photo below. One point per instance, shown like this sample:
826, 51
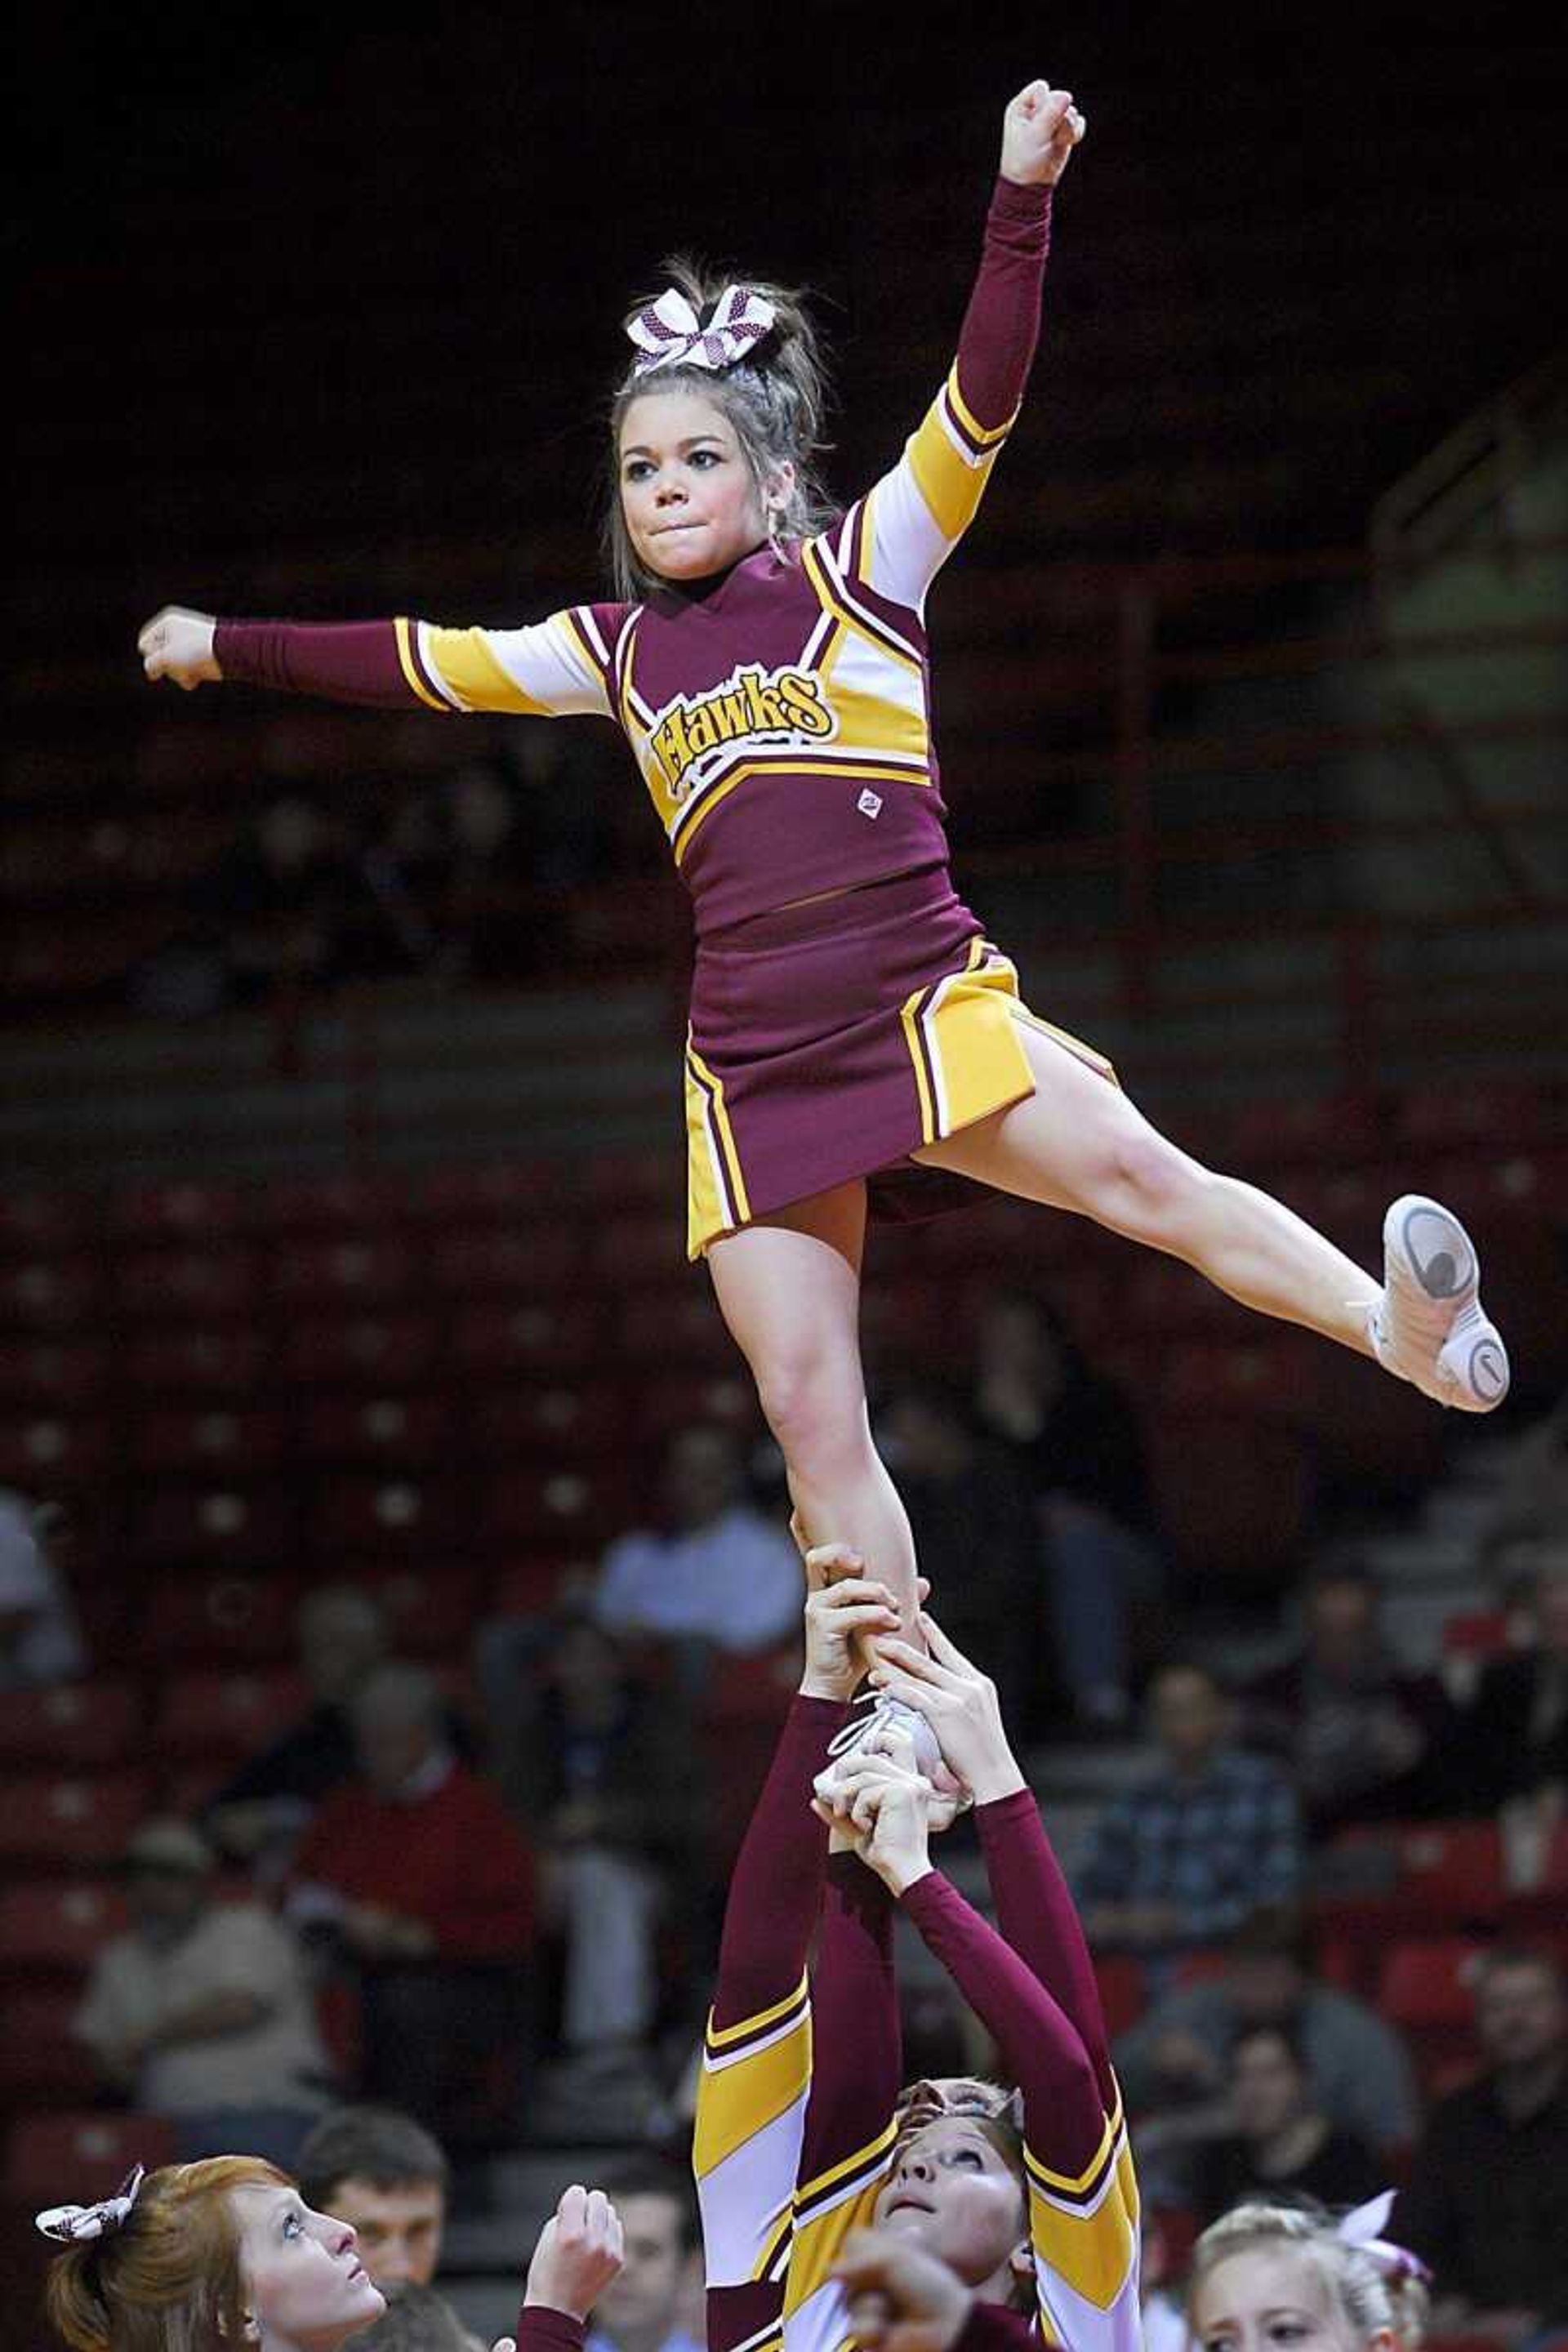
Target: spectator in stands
596, 1761
976, 1534
648, 2306
343, 1636
1172, 2064
415, 1877
1516, 1741
1077, 1440
1179, 1861
389, 2177
1487, 2202
1282, 2145
39, 1639
416, 2319
1363, 1741
201, 2012
715, 1569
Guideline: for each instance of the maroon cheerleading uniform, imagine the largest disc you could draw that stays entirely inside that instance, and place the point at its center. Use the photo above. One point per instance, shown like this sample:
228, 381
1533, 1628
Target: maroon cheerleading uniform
846, 1008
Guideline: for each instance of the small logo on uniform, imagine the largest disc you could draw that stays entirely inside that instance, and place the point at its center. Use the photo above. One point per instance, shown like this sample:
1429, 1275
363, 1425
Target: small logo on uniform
870, 803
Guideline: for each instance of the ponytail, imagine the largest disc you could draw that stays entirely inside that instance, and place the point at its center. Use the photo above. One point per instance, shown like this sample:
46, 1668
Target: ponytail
167, 2277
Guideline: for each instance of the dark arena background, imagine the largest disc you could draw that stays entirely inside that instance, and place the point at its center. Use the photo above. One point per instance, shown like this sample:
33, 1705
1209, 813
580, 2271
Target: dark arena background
341, 1214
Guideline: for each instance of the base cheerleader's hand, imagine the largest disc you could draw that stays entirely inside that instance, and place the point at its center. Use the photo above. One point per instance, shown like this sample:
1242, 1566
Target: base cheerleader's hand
843, 1607
901, 2298
580, 2250
961, 1706
1039, 131
883, 1808
178, 642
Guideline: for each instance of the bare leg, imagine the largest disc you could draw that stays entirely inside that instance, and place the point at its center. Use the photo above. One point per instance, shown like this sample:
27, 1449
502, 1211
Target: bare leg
789, 1289
1078, 1143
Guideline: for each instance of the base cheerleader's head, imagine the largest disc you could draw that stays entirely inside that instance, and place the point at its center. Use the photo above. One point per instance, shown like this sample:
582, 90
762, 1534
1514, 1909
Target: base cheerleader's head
715, 429
1346, 2288
208, 2257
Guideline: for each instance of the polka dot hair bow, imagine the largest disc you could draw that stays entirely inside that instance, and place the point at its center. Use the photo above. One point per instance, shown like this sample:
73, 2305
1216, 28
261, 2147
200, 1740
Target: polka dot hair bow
74, 2223
1364, 2227
669, 330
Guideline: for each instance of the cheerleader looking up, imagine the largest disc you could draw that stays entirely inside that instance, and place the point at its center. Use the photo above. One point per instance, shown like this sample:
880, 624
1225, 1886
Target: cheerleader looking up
225, 2252
852, 1030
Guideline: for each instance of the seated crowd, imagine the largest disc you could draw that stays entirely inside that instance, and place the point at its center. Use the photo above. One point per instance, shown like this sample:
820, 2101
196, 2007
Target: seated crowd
489, 1903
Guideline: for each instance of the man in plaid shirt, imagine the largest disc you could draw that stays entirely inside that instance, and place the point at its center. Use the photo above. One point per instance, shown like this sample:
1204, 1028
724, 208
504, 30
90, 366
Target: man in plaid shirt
1181, 1860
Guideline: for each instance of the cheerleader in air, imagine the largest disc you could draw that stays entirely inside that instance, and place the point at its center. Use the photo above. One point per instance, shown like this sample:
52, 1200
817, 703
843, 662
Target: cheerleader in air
853, 1032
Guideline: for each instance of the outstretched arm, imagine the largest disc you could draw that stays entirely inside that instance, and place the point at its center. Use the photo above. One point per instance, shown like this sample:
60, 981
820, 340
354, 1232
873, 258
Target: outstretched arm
911, 522
550, 669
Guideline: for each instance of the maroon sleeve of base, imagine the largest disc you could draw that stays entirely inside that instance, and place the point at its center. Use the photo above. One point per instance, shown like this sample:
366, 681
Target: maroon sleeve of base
541, 2330
776, 1888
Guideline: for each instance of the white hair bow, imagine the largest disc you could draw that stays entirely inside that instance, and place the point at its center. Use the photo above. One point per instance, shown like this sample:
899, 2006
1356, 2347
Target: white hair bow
72, 2222
1364, 2227
669, 330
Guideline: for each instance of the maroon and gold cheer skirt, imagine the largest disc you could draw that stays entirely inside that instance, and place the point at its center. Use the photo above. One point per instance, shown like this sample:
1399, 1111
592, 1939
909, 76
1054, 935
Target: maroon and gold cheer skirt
831, 1040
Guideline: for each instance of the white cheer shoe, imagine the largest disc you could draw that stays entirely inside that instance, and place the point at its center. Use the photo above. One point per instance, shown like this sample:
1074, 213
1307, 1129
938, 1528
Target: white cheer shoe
1429, 1327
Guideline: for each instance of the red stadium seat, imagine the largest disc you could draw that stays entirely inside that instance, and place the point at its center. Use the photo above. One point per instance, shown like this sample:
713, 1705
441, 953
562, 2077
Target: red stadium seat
72, 1724
363, 1351
533, 1586
68, 1822
388, 1517
554, 1339
507, 1191
56, 1927
221, 1718
556, 1422
49, 1294
640, 1245
202, 1441
503, 1261
1468, 1120
227, 1363
1289, 1128
350, 1205
680, 1326
1123, 1994
1425, 1990
39, 2061
363, 1274
45, 1453
659, 1408
43, 1224
543, 1508
204, 1286
1231, 1494
432, 1603
53, 1375
229, 1526
1448, 1873
72, 2157
400, 1430
221, 1619
195, 1213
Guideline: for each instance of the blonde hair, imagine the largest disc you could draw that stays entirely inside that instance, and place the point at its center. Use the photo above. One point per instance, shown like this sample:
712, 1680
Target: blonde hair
169, 2278
1369, 2295
774, 399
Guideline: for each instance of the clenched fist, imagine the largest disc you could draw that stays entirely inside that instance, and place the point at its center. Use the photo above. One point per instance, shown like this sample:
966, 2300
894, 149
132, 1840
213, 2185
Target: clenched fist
1039, 131
178, 642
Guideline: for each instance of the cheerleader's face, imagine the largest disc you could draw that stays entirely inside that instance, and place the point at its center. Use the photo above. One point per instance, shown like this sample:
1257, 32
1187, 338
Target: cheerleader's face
691, 502
1274, 2299
952, 2190
304, 2280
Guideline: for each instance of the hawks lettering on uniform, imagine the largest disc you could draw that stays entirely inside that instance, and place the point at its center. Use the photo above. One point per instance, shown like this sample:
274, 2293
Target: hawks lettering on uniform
752, 702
